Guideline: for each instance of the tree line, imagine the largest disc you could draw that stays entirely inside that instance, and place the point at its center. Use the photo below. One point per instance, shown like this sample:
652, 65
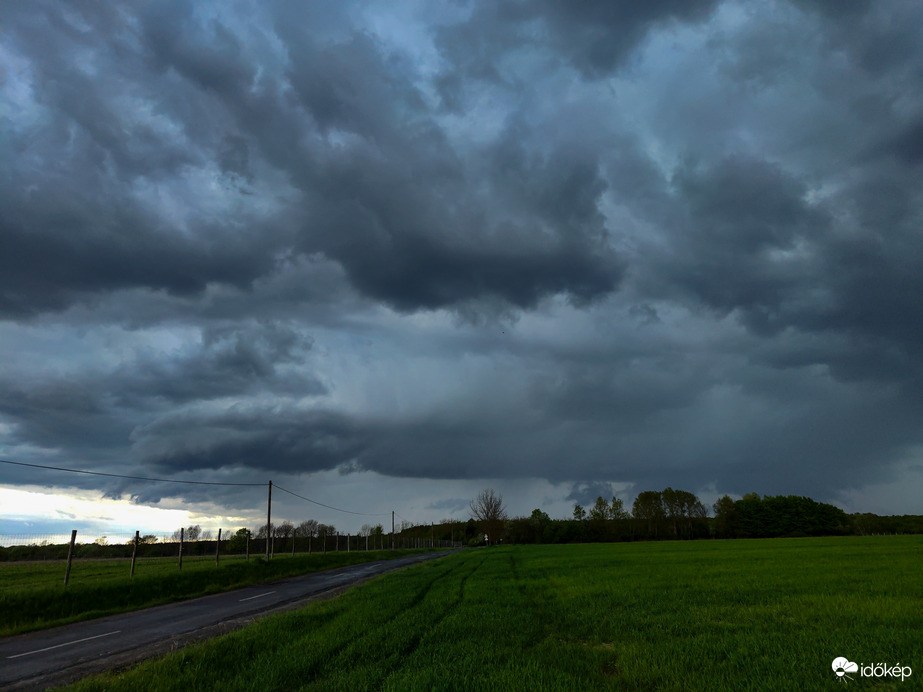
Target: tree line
678, 514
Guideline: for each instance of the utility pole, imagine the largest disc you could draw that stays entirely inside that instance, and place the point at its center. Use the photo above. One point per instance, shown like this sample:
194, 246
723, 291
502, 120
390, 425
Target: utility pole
134, 553
268, 519
70, 556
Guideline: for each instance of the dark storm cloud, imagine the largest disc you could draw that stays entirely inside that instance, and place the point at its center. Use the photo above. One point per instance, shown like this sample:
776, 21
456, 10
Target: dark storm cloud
273, 439
392, 205
695, 226
594, 36
232, 361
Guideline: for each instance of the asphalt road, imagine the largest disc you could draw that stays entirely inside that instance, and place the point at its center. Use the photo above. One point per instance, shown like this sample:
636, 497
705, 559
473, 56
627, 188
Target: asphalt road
43, 659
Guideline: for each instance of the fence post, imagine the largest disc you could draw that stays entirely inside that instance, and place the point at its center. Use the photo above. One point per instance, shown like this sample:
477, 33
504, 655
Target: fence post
134, 554
248, 545
337, 549
347, 543
217, 547
181, 548
70, 555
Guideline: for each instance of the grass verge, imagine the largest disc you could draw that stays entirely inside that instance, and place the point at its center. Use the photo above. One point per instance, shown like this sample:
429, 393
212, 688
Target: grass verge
32, 595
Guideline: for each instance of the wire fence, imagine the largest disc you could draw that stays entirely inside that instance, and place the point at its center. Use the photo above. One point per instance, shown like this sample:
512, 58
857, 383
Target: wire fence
137, 549
16, 547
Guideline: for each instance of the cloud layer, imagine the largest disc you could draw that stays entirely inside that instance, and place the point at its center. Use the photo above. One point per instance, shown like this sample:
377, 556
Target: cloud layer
604, 245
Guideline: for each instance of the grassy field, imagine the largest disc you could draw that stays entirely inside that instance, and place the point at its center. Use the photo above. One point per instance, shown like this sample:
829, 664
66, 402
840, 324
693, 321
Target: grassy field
32, 595
704, 615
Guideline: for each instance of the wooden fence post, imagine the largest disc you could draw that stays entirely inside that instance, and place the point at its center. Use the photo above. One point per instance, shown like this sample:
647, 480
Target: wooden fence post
248, 545
70, 555
217, 547
181, 530
134, 554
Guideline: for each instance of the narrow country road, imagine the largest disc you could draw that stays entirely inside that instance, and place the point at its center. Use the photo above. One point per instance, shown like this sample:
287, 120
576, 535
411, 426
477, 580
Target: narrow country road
39, 660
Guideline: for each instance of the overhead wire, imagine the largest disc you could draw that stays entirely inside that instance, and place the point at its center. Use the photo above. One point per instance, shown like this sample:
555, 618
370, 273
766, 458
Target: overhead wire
336, 509
119, 475
175, 480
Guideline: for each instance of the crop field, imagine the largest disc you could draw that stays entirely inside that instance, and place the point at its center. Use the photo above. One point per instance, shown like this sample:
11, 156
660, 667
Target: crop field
32, 595
700, 615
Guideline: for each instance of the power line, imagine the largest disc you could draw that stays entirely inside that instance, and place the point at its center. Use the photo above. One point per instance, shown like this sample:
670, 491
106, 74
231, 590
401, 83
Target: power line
336, 509
118, 475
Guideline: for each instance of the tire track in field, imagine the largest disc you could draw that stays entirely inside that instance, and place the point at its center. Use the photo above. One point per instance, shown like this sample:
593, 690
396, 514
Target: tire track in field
321, 662
414, 643
450, 608
536, 605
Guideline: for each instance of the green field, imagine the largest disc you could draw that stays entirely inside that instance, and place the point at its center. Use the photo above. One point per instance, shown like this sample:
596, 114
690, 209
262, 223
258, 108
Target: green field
700, 615
32, 595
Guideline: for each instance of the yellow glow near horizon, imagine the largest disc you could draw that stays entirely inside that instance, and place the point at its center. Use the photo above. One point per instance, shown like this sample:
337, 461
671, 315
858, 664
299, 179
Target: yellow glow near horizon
45, 510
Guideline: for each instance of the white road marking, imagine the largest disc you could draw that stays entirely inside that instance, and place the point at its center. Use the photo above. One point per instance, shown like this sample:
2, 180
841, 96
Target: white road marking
58, 646
257, 596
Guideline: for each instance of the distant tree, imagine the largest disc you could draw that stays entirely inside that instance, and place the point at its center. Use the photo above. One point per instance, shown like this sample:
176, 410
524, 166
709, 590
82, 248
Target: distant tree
261, 530
285, 530
102, 540
365, 530
648, 508
600, 510
538, 525
326, 530
306, 529
148, 539
487, 508
238, 542
190, 533
617, 509
725, 517
579, 513
680, 508
206, 535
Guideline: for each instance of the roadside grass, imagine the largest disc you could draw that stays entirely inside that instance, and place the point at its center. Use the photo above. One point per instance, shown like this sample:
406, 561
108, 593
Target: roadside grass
32, 595
705, 615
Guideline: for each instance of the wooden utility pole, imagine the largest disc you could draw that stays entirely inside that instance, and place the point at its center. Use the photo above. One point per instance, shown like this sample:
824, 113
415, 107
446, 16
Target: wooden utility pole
70, 556
268, 519
217, 547
134, 553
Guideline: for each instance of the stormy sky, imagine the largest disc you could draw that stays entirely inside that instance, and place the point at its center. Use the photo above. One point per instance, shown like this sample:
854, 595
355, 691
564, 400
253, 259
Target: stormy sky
388, 254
